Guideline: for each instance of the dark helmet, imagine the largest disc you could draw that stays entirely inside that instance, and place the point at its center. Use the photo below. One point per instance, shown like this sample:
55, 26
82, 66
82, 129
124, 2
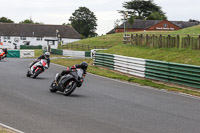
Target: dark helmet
84, 65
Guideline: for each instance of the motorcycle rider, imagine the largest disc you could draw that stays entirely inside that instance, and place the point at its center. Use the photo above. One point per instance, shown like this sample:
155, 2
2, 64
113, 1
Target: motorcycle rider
45, 56
83, 65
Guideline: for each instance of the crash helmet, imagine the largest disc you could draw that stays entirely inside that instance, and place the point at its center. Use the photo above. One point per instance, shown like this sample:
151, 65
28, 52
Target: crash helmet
46, 55
84, 65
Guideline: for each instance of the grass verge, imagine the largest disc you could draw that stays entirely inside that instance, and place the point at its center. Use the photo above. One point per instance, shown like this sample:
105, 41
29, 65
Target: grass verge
120, 76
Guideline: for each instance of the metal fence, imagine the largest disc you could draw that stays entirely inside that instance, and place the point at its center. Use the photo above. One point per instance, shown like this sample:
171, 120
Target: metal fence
188, 75
84, 46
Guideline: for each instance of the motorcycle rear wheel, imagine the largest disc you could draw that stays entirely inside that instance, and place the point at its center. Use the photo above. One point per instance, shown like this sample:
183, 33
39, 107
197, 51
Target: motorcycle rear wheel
70, 86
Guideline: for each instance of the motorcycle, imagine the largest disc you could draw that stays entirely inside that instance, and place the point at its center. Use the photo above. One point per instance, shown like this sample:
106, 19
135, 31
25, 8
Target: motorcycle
68, 82
37, 68
3, 53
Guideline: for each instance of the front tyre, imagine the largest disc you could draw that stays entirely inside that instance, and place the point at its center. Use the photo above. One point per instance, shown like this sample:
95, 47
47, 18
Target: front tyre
53, 87
28, 74
37, 73
70, 86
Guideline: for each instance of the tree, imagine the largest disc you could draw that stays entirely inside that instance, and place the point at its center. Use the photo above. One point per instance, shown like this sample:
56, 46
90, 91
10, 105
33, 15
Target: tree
29, 21
84, 22
193, 20
6, 20
141, 9
156, 16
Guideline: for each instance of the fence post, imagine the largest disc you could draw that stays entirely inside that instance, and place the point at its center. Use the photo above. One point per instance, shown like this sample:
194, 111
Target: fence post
168, 41
147, 39
160, 41
131, 41
136, 37
178, 41
153, 40
199, 41
188, 41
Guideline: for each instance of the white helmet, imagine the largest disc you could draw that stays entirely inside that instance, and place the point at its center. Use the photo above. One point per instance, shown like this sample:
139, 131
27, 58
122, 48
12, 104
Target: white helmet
46, 55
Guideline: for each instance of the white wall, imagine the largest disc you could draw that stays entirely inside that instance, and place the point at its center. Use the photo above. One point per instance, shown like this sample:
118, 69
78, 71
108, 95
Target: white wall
8, 43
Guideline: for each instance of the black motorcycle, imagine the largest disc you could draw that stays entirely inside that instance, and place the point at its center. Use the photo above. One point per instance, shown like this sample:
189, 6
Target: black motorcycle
68, 82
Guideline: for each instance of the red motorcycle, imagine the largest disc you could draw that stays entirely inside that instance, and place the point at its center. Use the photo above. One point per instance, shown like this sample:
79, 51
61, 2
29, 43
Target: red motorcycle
37, 68
3, 53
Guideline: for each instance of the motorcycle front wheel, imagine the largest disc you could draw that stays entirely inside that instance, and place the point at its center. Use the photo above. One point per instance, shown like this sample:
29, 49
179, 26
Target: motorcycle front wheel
37, 73
53, 87
70, 86
28, 74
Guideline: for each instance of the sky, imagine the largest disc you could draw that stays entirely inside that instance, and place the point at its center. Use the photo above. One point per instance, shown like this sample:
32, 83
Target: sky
57, 12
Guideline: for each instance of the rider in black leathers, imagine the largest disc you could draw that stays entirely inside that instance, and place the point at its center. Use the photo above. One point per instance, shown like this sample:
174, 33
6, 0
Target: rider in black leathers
83, 66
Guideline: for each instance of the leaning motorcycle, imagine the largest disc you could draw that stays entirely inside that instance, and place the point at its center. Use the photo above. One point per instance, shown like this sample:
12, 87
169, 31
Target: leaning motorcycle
68, 82
37, 68
3, 53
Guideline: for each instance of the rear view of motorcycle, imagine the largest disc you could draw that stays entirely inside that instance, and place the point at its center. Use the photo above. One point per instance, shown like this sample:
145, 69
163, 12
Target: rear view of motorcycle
68, 82
37, 68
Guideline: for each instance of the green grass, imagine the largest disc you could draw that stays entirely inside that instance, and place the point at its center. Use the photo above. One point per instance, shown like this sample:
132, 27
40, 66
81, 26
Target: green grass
106, 40
117, 38
184, 56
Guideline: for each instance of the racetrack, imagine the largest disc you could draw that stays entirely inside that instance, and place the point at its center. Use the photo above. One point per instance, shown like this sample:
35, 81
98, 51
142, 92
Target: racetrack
101, 105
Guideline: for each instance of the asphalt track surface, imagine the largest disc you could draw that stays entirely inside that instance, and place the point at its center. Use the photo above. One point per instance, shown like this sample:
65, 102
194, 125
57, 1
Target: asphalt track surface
101, 105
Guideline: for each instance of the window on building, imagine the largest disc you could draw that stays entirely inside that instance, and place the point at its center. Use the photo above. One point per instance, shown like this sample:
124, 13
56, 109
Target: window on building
23, 38
7, 37
39, 38
165, 25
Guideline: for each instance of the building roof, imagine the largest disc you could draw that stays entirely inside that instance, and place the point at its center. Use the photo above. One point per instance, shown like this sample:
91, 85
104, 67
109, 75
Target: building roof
184, 24
144, 24
38, 30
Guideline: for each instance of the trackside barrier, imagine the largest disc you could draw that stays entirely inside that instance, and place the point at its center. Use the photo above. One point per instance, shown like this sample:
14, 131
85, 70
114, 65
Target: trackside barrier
57, 51
70, 53
13, 53
188, 75
20, 53
76, 53
130, 65
27, 53
183, 74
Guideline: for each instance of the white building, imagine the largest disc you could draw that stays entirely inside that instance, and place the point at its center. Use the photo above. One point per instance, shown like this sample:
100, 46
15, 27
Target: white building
14, 35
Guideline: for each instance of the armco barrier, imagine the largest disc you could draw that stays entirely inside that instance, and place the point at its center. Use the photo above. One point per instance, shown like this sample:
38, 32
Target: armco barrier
27, 53
106, 60
13, 53
130, 65
74, 53
188, 75
20, 53
57, 51
70, 53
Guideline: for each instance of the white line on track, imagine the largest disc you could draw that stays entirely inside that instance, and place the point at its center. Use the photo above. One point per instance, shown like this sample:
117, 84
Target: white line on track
13, 129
